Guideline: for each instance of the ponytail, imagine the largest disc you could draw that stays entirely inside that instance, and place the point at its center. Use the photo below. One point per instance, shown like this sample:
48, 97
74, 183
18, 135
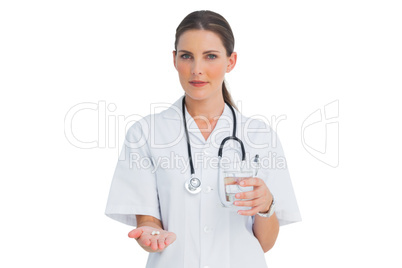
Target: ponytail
226, 96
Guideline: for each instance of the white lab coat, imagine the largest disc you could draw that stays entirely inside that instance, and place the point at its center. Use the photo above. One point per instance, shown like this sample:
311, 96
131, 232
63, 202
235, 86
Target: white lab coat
149, 180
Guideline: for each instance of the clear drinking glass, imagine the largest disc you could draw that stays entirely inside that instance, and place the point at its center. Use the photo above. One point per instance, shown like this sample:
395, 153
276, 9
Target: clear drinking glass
230, 185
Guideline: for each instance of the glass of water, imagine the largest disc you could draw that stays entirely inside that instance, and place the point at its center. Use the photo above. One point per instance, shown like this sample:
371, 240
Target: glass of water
230, 185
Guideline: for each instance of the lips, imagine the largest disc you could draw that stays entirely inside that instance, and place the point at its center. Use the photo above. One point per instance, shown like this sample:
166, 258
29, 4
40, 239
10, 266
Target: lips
198, 83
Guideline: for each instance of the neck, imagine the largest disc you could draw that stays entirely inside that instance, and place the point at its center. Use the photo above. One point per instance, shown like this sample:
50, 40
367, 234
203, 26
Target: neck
211, 109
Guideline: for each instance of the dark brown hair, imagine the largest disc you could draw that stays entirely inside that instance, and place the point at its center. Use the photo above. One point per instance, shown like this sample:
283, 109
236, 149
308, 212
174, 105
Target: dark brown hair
211, 21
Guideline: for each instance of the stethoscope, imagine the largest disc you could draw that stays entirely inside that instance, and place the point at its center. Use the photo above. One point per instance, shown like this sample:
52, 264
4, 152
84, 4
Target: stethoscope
193, 184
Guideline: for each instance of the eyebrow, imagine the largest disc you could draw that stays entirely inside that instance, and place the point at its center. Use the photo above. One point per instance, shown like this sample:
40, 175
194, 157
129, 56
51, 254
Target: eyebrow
205, 52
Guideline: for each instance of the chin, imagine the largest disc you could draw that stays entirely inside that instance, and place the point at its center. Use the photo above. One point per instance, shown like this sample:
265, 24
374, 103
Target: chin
200, 94
196, 94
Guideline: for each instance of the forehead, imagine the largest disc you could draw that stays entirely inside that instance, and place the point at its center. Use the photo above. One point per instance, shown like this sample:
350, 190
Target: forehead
200, 40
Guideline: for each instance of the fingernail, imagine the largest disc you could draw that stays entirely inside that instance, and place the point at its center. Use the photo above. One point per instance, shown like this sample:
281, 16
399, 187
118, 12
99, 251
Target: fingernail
238, 212
242, 183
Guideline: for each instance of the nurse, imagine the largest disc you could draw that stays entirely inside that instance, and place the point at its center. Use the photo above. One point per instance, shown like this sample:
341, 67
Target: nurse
186, 226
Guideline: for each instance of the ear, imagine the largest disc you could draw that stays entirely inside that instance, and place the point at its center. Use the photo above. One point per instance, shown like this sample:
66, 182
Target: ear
231, 62
174, 59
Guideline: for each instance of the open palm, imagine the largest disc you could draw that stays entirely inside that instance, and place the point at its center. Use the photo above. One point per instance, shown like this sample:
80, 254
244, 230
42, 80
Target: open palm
152, 243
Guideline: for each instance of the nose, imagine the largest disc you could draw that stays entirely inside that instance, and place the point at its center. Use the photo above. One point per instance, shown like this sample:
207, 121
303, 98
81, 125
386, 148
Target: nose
196, 67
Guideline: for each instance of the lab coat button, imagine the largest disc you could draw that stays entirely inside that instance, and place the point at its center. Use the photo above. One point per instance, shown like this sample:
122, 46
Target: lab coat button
208, 229
208, 189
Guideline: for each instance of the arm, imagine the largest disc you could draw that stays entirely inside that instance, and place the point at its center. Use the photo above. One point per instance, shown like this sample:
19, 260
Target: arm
145, 220
265, 229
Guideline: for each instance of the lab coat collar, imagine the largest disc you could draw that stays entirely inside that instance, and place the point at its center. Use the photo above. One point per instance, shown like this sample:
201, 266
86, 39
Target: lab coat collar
175, 111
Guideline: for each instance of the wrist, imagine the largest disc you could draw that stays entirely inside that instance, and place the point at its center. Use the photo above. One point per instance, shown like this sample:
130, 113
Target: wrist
271, 209
268, 207
149, 224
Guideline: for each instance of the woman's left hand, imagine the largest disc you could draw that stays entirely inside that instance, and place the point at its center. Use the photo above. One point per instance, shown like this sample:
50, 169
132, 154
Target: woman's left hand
260, 197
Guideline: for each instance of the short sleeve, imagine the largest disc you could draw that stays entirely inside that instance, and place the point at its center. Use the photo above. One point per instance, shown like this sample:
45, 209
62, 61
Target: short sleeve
133, 190
274, 171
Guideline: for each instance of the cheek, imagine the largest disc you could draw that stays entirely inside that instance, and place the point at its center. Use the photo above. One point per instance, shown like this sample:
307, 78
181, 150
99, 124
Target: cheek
217, 71
182, 68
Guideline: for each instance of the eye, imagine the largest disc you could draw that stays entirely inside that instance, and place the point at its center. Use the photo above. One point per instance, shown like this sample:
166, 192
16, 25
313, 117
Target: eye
211, 56
185, 56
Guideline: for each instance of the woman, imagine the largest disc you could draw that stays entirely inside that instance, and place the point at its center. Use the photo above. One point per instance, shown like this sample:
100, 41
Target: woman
187, 226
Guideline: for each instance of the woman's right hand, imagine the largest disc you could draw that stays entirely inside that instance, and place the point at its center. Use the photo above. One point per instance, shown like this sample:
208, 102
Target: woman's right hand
152, 243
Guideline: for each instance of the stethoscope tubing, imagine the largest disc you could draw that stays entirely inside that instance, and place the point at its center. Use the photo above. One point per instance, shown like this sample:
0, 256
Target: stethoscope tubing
188, 184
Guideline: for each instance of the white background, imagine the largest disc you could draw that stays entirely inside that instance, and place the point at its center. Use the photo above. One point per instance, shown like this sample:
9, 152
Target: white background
294, 57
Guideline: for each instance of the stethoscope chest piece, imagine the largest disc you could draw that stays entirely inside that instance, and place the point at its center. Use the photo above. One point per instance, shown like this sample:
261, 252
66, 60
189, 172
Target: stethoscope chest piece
193, 185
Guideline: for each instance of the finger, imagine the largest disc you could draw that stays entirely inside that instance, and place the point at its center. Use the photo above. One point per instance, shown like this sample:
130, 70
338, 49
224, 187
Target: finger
250, 212
257, 202
170, 239
256, 193
161, 242
254, 181
154, 244
144, 240
135, 233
